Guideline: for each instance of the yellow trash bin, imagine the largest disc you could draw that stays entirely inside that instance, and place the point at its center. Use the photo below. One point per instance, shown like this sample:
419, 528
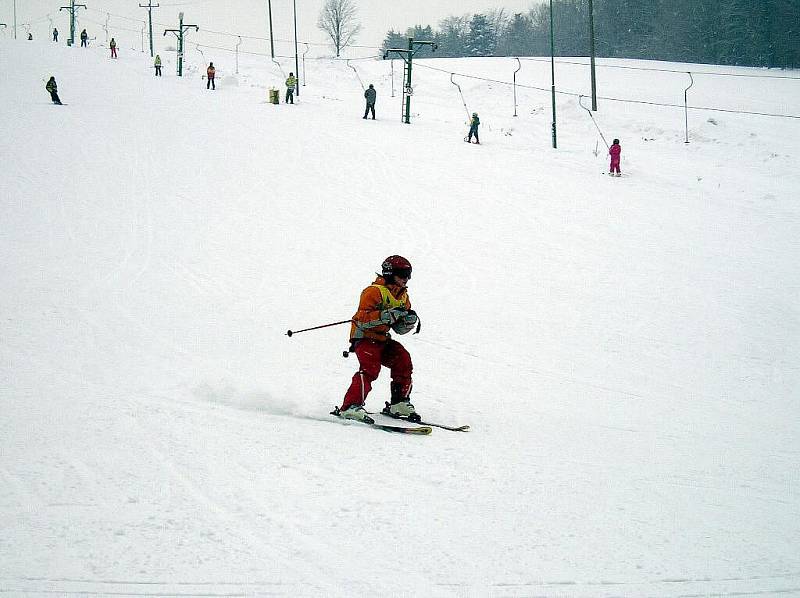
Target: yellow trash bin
274, 97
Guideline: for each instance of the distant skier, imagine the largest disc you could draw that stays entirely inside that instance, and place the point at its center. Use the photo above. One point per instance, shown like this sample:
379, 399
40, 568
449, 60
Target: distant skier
614, 151
52, 87
291, 83
473, 128
55, 34
370, 95
383, 305
211, 73
157, 64
30, 36
84, 39
113, 45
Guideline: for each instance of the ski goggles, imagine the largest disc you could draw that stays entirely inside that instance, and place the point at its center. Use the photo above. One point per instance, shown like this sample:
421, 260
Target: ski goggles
402, 273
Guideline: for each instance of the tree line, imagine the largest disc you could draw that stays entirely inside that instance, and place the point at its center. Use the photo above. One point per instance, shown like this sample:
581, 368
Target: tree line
734, 32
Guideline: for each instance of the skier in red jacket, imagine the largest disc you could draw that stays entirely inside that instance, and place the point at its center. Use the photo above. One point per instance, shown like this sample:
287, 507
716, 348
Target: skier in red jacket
614, 151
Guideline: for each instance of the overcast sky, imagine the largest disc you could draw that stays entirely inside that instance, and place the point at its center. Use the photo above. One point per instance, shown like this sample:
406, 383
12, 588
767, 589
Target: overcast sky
249, 17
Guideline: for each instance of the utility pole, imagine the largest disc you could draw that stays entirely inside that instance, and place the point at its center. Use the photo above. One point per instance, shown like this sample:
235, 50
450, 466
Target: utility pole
150, 6
296, 59
591, 56
553, 74
71, 8
408, 57
271, 42
179, 33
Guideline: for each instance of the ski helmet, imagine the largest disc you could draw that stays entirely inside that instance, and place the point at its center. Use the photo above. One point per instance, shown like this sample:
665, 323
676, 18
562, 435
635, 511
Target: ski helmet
396, 264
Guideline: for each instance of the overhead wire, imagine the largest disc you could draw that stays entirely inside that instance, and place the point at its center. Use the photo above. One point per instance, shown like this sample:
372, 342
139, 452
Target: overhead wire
663, 70
609, 98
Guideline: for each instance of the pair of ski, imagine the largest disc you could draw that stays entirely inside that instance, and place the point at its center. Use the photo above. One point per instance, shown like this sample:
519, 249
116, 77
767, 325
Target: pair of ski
423, 428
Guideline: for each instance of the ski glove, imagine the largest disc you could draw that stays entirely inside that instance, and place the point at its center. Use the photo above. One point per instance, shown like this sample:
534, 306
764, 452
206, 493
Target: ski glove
407, 323
390, 316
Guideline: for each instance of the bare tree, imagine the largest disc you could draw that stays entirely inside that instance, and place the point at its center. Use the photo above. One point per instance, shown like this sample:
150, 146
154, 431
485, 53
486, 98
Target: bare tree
338, 20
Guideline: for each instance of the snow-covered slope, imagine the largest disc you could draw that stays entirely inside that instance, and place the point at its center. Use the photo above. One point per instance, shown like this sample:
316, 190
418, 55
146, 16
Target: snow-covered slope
625, 349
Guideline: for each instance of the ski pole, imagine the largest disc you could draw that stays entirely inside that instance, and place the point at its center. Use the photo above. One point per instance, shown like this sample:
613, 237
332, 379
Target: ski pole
291, 332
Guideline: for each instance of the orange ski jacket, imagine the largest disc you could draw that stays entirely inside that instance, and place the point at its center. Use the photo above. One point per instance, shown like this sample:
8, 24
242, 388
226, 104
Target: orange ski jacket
374, 299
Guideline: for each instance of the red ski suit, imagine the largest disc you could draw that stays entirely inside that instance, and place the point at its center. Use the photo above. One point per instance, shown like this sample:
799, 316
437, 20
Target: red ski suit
373, 344
614, 151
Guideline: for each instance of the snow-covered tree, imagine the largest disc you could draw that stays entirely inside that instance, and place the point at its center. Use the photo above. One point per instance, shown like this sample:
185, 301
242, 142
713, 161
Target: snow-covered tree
480, 38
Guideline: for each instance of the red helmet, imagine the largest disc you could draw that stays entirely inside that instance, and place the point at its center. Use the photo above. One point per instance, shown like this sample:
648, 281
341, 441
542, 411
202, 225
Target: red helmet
396, 264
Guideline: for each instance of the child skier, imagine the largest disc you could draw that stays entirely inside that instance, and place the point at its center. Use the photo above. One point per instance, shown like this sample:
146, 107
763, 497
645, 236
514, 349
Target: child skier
614, 151
52, 88
383, 305
473, 128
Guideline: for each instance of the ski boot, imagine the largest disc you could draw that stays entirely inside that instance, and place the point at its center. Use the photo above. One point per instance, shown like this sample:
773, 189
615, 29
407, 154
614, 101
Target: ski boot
402, 410
400, 406
355, 412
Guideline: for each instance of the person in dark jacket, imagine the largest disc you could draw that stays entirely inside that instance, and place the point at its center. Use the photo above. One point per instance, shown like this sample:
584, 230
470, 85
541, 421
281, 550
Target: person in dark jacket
53, 89
473, 128
370, 95
55, 34
211, 74
113, 45
84, 39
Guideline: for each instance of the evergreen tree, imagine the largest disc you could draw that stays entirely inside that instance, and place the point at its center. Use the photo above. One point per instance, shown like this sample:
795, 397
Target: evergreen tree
518, 37
394, 40
498, 23
571, 27
783, 33
480, 38
736, 34
742, 32
540, 23
422, 34
452, 36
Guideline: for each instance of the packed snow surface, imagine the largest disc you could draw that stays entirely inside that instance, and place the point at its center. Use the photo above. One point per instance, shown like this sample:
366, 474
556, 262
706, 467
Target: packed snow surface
625, 350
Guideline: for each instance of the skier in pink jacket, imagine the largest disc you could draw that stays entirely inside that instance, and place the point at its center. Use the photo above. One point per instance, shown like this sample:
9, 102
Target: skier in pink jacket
614, 151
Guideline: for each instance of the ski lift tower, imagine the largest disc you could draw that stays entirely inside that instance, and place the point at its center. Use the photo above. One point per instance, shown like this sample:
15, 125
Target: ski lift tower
179, 33
408, 57
71, 9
